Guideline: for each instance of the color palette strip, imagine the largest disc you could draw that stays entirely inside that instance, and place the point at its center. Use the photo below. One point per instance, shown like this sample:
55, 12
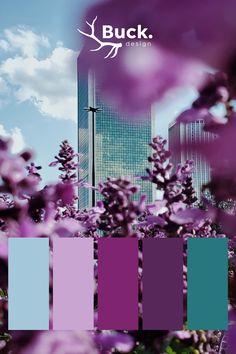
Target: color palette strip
28, 288
73, 284
118, 283
207, 284
162, 284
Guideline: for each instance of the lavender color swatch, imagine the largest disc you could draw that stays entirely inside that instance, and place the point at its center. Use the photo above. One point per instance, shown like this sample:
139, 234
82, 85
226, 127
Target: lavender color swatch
73, 284
118, 283
162, 284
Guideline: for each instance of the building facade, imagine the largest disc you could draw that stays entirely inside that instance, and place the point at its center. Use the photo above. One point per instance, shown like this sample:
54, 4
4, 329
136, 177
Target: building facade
110, 144
181, 134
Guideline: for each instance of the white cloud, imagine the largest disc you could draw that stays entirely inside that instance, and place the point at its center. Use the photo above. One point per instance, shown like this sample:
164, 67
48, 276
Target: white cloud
4, 45
49, 83
24, 40
3, 87
18, 143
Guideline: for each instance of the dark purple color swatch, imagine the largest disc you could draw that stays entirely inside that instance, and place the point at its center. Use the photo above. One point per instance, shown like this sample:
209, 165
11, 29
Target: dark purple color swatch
163, 284
118, 283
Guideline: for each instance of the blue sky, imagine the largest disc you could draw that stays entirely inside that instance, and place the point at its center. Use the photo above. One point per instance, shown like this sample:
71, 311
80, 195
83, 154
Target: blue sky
54, 18
29, 33
39, 43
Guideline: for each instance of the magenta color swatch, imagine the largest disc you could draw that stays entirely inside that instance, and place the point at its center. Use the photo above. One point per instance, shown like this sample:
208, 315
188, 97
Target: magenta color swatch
118, 283
163, 284
73, 284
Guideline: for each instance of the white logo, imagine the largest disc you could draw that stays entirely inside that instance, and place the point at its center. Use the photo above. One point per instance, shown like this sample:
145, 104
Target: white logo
114, 46
108, 32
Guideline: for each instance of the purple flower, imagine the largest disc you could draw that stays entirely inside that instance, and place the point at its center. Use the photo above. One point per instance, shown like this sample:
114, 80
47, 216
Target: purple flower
33, 170
109, 341
13, 172
162, 168
120, 210
175, 186
66, 159
163, 217
2, 344
185, 171
182, 334
54, 342
68, 227
196, 217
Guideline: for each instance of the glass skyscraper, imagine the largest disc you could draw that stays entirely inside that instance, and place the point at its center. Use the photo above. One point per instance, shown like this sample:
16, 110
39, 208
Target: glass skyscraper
190, 133
120, 146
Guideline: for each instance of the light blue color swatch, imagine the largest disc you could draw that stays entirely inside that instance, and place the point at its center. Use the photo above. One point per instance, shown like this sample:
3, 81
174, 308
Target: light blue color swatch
207, 305
28, 288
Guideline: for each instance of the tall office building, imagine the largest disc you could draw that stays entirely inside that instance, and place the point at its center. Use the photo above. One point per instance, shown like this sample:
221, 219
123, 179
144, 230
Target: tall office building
110, 144
190, 133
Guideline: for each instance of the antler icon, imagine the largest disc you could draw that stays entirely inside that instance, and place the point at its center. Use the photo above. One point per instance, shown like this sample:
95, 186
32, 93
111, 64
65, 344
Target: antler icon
115, 46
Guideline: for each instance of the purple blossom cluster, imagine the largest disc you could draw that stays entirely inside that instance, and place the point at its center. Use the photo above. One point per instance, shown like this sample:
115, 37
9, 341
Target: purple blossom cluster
173, 214
120, 211
67, 164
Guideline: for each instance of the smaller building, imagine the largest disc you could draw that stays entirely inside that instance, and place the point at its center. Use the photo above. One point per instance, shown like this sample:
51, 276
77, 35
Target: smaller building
181, 134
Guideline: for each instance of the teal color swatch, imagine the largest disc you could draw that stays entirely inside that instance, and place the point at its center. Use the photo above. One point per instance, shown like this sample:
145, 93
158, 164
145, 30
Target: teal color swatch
28, 288
207, 303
